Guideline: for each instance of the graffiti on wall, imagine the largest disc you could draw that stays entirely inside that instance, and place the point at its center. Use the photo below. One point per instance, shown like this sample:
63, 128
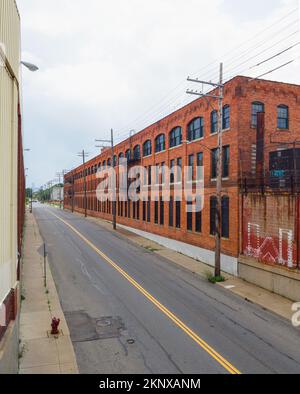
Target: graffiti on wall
272, 250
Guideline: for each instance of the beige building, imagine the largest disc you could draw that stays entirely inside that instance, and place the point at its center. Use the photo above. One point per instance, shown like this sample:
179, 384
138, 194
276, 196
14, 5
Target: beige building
9, 183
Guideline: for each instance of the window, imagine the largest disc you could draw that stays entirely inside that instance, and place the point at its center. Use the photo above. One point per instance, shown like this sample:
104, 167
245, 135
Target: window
225, 164
157, 174
172, 165
196, 129
178, 214
226, 117
171, 212
225, 169
128, 210
214, 122
121, 156
179, 169
160, 143
224, 213
144, 211
282, 117
147, 148
225, 217
162, 212
137, 152
191, 168
214, 163
133, 209
200, 170
198, 220
156, 212
175, 137
108, 163
149, 175
149, 210
213, 212
115, 161
138, 210
256, 108
128, 154
200, 159
163, 173
189, 216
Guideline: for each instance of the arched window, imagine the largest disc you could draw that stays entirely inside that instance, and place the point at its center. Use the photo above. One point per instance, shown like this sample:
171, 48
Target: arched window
137, 152
160, 143
226, 117
108, 163
121, 155
115, 161
196, 129
282, 117
104, 164
214, 122
147, 148
257, 107
175, 137
128, 154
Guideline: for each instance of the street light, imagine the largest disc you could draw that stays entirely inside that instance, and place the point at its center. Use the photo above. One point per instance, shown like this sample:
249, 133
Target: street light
31, 67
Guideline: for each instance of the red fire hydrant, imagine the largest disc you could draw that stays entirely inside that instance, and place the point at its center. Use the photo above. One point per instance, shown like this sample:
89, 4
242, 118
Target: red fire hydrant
54, 325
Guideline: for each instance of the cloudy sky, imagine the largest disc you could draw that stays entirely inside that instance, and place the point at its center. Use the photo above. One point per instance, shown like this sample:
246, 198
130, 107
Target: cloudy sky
123, 64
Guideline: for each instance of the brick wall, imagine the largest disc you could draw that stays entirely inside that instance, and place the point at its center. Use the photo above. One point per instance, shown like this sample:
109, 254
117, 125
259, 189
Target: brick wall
270, 229
240, 92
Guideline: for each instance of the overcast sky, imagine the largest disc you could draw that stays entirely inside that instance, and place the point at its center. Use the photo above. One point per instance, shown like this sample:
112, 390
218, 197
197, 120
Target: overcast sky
123, 64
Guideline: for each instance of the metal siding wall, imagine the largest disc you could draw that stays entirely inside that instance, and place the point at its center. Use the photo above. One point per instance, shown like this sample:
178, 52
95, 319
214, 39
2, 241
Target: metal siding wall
9, 37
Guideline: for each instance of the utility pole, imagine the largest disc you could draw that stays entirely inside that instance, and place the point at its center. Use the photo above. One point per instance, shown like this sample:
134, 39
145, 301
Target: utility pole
114, 205
84, 155
60, 175
219, 97
64, 172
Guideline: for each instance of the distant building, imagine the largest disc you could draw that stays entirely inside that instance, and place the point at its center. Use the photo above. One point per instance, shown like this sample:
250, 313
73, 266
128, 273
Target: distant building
57, 193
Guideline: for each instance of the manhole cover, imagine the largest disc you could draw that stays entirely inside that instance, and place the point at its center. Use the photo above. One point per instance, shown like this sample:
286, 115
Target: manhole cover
84, 328
103, 322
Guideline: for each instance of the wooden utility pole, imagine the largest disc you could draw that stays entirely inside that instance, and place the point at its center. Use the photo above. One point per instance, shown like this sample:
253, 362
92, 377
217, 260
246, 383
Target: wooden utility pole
84, 155
114, 194
218, 219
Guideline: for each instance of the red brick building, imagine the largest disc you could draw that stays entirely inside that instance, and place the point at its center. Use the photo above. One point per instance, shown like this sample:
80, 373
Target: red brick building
189, 137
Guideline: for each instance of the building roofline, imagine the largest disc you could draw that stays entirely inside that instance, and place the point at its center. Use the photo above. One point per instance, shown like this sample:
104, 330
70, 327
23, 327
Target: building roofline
242, 77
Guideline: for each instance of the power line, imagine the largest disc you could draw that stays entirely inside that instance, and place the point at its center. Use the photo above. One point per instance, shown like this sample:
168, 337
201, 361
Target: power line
141, 119
275, 69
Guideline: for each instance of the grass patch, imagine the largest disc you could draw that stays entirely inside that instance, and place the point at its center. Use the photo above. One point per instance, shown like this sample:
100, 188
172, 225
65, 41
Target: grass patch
214, 279
150, 249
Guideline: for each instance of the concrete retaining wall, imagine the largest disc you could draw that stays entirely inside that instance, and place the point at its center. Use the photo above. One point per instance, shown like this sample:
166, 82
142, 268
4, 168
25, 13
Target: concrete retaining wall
228, 264
278, 280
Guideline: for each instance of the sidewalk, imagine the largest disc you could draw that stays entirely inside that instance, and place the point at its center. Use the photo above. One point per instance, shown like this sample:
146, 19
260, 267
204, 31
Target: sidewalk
250, 292
39, 352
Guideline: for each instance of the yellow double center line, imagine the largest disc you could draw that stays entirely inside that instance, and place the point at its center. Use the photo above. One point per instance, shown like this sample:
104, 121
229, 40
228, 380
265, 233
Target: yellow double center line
213, 353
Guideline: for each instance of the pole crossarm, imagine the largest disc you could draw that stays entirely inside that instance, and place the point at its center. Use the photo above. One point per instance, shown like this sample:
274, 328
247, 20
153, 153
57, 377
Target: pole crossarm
217, 85
194, 92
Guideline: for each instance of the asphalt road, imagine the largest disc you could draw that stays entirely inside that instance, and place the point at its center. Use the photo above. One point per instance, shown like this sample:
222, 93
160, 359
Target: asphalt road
132, 311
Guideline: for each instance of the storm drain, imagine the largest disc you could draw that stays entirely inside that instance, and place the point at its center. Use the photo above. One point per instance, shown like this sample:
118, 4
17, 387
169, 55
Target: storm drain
84, 328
